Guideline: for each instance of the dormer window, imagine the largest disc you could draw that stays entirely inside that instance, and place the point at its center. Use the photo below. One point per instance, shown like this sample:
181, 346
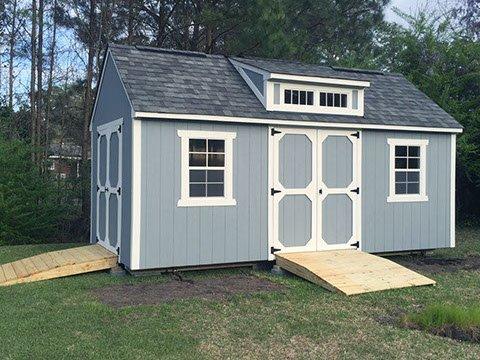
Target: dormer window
333, 99
298, 97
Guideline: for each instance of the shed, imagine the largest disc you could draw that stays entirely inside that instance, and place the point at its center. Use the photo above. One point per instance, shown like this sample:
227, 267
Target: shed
211, 160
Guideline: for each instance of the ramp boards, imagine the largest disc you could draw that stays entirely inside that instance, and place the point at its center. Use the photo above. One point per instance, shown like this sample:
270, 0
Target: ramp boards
350, 272
56, 264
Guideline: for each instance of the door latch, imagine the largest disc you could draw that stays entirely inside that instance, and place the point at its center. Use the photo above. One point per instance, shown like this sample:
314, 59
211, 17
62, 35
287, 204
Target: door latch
356, 244
357, 190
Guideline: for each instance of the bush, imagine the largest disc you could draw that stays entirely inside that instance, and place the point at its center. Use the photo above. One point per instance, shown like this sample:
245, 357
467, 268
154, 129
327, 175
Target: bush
31, 206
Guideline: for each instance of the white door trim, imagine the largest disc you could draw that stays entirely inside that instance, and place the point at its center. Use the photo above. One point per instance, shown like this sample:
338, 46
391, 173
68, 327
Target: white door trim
107, 130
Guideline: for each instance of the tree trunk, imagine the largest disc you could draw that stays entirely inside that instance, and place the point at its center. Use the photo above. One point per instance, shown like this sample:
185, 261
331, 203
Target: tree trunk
33, 46
11, 58
48, 101
86, 115
40, 109
130, 23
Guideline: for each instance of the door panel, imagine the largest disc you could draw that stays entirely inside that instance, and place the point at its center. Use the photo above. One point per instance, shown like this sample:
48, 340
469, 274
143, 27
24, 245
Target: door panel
339, 183
294, 186
109, 185
337, 219
315, 185
295, 220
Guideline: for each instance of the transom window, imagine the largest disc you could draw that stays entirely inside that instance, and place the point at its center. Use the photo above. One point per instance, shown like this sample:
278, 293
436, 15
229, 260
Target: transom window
407, 170
333, 99
298, 97
206, 176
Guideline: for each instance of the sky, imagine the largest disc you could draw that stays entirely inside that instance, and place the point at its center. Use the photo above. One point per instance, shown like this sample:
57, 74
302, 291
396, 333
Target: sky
413, 6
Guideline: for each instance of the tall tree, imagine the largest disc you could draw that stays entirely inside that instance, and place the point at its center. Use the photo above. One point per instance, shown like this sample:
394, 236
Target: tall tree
33, 55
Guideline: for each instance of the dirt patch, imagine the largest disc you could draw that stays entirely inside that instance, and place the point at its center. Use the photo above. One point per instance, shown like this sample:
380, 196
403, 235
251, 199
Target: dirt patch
211, 289
439, 265
451, 331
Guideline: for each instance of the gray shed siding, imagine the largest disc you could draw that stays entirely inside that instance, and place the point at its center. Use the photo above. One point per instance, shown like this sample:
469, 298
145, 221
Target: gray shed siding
112, 104
174, 236
410, 225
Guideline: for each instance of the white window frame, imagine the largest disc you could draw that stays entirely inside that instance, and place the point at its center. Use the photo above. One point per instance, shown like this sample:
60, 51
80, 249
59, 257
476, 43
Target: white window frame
315, 108
227, 199
422, 196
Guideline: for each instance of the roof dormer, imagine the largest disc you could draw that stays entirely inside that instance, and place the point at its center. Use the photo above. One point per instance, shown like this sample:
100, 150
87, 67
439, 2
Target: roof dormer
304, 94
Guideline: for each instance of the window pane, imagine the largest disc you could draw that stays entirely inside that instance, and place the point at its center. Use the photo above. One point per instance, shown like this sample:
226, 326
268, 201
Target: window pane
413, 176
413, 188
400, 176
336, 100
400, 163
309, 97
288, 96
198, 160
215, 190
400, 188
400, 151
344, 100
214, 176
197, 176
414, 151
216, 145
303, 97
198, 145
329, 99
216, 160
323, 99
295, 97
414, 163
197, 190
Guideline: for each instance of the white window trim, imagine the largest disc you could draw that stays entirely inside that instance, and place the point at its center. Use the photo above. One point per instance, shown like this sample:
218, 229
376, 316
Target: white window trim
422, 143
315, 108
185, 199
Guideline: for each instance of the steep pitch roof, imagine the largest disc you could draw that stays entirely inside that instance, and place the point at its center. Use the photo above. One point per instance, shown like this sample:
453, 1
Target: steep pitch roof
181, 82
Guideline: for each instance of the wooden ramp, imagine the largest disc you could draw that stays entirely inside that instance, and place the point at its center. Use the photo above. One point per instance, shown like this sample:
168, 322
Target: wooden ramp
56, 264
350, 271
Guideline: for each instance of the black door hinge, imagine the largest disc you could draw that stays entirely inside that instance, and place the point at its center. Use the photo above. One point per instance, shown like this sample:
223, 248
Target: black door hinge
357, 134
357, 190
119, 191
118, 250
98, 187
357, 244
120, 129
320, 191
273, 250
273, 132
273, 191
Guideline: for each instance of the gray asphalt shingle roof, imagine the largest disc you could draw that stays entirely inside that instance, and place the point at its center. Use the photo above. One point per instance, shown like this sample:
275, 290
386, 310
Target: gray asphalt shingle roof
182, 82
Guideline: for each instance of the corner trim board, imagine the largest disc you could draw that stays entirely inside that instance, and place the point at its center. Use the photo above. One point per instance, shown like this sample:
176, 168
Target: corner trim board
453, 152
136, 195
246, 120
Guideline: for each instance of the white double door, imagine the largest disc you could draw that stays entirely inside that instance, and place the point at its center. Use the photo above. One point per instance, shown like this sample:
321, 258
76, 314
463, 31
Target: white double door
314, 189
109, 185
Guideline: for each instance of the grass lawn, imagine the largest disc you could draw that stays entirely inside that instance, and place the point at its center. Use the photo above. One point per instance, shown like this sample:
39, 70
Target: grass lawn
62, 319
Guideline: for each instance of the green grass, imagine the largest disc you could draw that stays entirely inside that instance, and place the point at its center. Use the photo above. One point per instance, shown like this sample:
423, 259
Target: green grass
60, 319
437, 316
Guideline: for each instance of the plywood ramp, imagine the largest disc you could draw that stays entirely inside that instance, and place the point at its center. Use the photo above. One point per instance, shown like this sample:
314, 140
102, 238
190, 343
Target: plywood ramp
56, 264
350, 271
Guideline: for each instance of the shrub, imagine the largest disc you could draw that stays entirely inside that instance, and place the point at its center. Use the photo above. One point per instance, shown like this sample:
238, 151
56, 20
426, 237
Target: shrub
31, 210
